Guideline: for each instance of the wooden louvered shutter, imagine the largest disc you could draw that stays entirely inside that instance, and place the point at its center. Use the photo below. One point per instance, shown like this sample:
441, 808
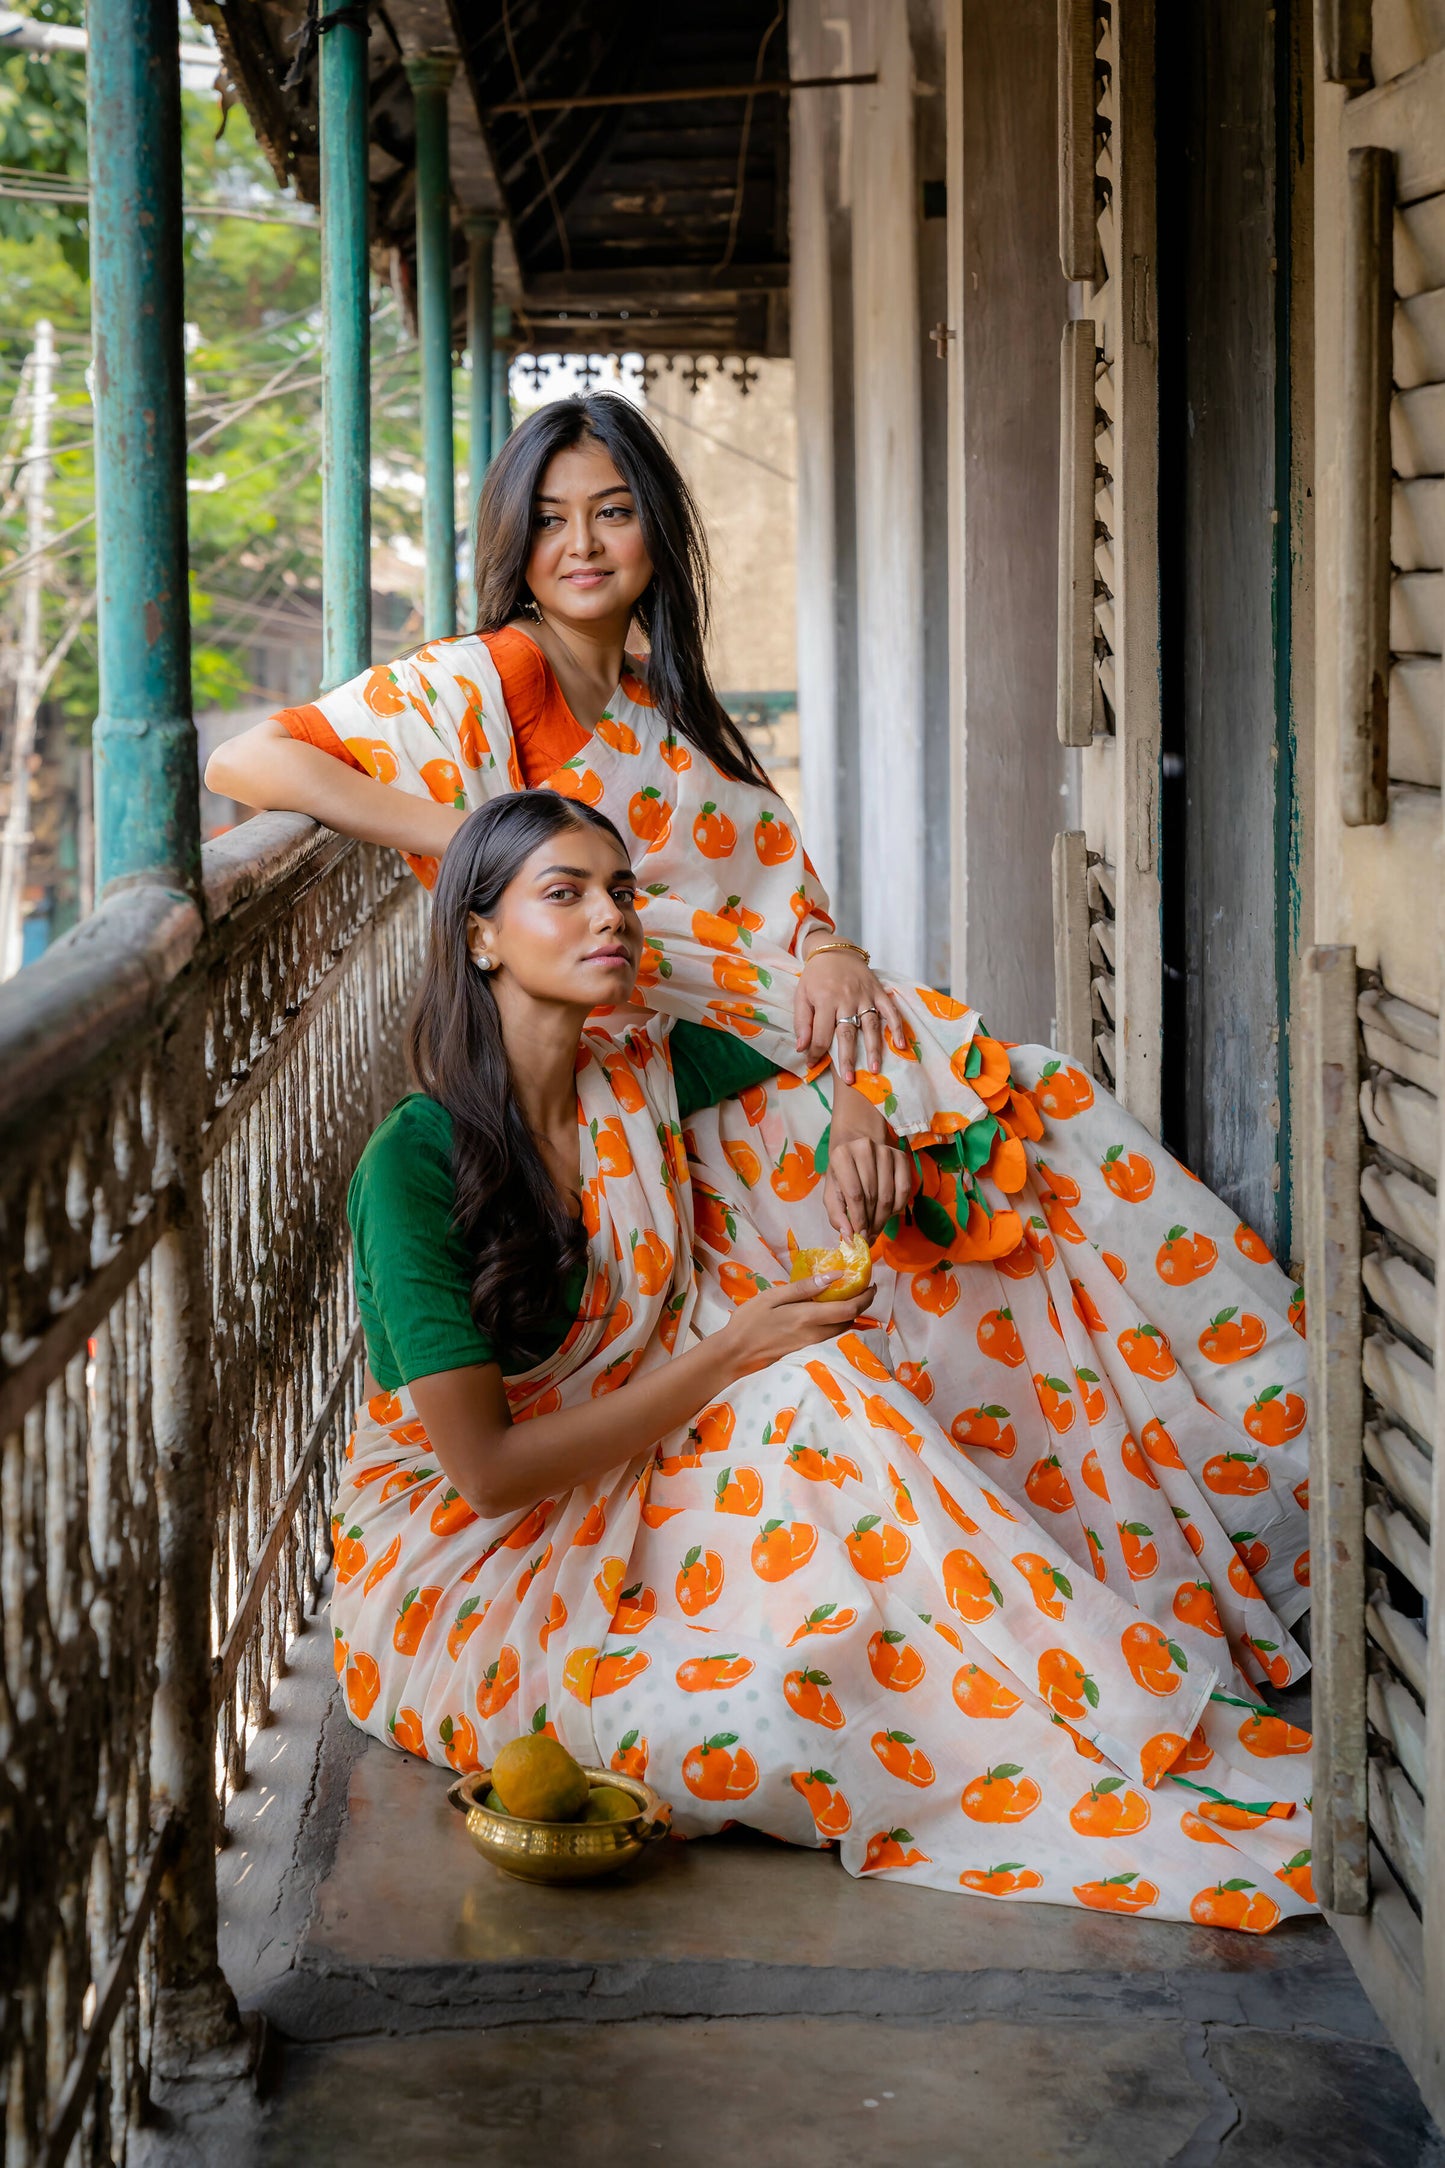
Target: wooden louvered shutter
1106, 881
1373, 1133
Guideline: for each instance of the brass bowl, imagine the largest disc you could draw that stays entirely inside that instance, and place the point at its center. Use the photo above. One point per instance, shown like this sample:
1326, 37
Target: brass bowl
560, 1851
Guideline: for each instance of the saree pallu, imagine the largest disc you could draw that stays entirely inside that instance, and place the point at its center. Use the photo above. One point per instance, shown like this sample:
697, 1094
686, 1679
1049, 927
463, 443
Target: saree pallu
806, 1611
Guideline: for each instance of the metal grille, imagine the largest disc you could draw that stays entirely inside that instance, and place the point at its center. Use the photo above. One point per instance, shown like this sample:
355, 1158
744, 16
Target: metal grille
180, 1112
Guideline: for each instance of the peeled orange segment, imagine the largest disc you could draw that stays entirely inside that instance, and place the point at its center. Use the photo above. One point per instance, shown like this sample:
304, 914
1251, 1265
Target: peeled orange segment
851, 1257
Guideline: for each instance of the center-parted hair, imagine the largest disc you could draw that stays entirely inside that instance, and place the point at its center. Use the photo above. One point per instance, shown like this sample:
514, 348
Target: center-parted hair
521, 1238
673, 610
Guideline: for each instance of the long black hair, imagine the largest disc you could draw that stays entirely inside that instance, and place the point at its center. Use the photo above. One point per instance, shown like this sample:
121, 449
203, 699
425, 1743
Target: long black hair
523, 1241
675, 606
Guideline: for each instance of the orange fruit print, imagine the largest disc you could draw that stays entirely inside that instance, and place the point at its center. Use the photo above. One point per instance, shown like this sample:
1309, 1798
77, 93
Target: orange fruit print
711, 1770
1065, 1685
902, 1757
1232, 1336
1006, 1880
738, 1490
1003, 1794
1235, 1903
629, 1757
1184, 1258
968, 1587
1048, 1487
831, 1813
1147, 1353
807, 1693
699, 1580
781, 1547
1062, 1092
1156, 1662
998, 1336
1055, 1400
979, 1695
1118, 1893
773, 839
890, 1848
893, 1662
1107, 1809
1049, 1585
1275, 1415
987, 1426
1129, 1174
712, 1674
877, 1550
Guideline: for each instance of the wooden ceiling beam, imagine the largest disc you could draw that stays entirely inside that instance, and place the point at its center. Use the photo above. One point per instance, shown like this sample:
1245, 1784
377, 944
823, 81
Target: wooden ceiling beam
693, 93
611, 287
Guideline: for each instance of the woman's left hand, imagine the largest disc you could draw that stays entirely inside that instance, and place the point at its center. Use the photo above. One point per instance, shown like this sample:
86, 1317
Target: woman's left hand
835, 987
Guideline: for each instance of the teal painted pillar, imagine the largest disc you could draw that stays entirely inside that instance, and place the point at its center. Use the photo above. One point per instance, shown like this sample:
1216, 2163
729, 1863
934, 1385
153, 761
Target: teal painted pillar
429, 75
346, 378
481, 233
501, 390
147, 780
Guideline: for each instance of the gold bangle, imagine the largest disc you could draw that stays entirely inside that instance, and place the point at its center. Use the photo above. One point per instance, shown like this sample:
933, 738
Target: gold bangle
823, 947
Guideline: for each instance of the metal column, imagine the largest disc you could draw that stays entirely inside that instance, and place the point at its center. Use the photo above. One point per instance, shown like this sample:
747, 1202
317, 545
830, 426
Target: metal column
346, 380
481, 233
429, 75
501, 375
147, 784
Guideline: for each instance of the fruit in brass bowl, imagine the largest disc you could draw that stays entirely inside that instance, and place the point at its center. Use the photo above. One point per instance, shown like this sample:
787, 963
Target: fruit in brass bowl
850, 1257
605, 1803
619, 1820
537, 1780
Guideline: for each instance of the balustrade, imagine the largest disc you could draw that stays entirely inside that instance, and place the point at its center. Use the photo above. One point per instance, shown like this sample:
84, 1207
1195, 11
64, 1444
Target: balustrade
182, 1100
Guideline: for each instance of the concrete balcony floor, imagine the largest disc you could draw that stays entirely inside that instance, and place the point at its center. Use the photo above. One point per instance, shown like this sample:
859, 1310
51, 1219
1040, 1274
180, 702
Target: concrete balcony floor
735, 2000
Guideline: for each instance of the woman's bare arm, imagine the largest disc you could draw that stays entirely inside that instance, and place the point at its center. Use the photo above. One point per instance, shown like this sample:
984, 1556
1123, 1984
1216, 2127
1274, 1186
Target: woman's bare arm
501, 1467
267, 768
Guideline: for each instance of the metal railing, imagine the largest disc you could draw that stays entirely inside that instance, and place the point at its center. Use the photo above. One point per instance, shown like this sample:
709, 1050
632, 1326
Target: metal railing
182, 1101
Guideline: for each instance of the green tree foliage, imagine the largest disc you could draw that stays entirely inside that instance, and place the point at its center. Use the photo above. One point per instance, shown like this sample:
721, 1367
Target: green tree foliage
42, 129
254, 363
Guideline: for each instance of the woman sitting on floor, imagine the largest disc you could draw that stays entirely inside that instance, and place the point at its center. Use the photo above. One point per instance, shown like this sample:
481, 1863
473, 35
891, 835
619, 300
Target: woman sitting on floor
750, 1564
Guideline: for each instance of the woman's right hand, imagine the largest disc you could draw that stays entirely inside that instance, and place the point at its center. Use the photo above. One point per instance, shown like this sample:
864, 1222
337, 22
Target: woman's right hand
779, 1320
